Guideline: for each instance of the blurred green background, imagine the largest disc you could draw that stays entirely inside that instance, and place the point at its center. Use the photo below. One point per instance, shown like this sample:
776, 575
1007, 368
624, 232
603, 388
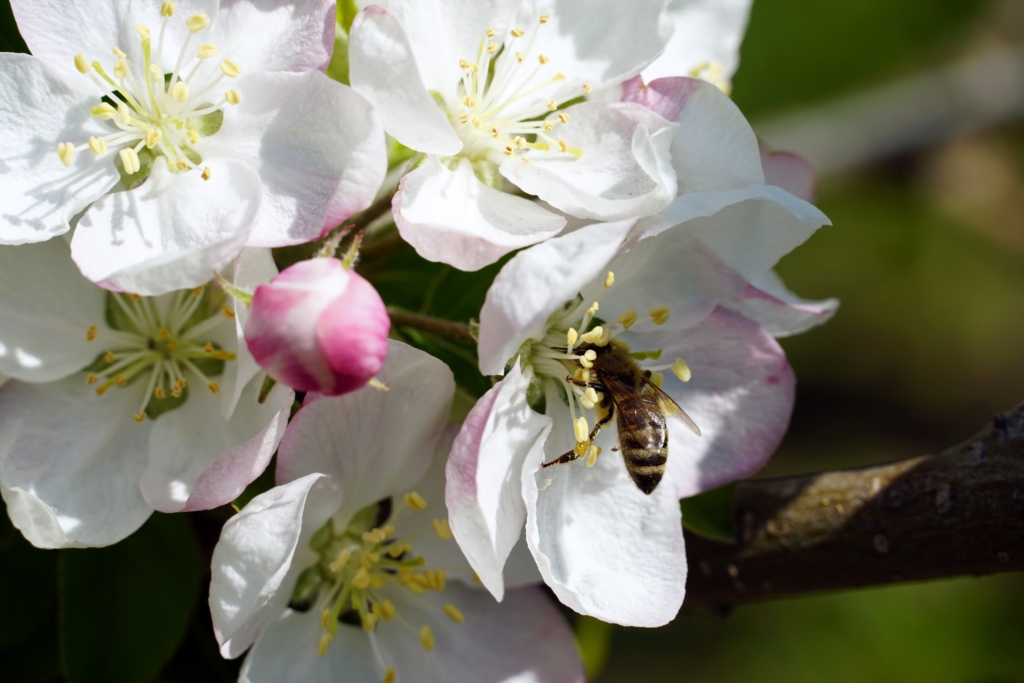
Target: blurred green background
926, 255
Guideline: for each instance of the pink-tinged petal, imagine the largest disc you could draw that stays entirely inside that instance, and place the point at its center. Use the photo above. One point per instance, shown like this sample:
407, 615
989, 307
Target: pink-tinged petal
792, 172
536, 283
714, 147
260, 554
741, 396
41, 106
198, 460
318, 327
308, 138
749, 228
708, 34
485, 505
604, 547
782, 313
382, 69
625, 169
267, 35
169, 233
452, 217
70, 462
46, 309
374, 443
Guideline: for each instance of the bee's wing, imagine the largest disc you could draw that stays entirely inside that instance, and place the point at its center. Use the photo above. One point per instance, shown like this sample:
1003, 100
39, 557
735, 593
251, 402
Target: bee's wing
671, 408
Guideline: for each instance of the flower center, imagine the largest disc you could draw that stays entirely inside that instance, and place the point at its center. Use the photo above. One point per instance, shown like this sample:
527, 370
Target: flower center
152, 113
504, 107
161, 340
364, 563
567, 352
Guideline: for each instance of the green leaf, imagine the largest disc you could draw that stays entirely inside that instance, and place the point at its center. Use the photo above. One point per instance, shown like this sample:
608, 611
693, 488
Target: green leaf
125, 608
710, 514
594, 639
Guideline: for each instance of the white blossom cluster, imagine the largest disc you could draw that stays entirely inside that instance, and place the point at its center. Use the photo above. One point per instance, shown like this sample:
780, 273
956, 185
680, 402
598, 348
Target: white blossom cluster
157, 151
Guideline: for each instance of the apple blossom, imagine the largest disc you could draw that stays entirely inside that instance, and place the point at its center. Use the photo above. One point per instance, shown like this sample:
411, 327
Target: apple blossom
183, 130
347, 568
488, 93
318, 326
122, 404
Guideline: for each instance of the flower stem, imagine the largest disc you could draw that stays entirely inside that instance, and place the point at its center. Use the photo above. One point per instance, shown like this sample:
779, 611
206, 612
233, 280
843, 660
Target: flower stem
438, 326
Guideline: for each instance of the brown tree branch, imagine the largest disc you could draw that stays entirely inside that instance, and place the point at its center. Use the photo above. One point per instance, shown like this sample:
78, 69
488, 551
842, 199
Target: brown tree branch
958, 512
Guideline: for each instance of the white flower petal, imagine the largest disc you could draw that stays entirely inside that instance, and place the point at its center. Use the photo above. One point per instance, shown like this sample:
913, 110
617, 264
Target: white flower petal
452, 217
708, 33
279, 36
603, 546
485, 504
40, 107
741, 397
171, 232
46, 308
625, 169
782, 313
72, 460
307, 137
383, 69
260, 554
536, 283
199, 461
749, 228
373, 443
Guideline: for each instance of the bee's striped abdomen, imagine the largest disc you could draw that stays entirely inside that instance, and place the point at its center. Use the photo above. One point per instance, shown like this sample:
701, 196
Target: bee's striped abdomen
644, 443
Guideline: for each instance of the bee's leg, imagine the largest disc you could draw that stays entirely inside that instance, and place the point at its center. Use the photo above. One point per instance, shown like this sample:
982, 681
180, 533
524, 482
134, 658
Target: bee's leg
569, 456
586, 385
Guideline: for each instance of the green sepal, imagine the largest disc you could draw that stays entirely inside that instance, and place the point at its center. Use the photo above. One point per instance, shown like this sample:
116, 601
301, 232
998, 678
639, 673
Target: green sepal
307, 588
338, 67
487, 173
268, 385
710, 514
346, 14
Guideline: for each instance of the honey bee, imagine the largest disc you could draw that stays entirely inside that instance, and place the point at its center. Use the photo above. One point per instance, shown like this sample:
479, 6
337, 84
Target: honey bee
642, 411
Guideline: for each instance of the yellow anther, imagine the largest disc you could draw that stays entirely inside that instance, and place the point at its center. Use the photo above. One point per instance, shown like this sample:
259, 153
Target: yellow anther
193, 136
545, 18
549, 126
468, 101
586, 89
66, 152
609, 279
325, 642
517, 32
164, 333
454, 613
581, 448
207, 50
155, 73
593, 336
659, 314
592, 455
179, 91
325, 618
561, 145
213, 387
490, 33
593, 396
197, 22
167, 8
586, 362
388, 530
182, 164
124, 114
581, 429
143, 31
571, 337
159, 393
415, 501
228, 312
587, 403
119, 53
396, 550
173, 346
370, 622
130, 161
362, 579
520, 57
153, 136
427, 638
366, 562
90, 334
92, 378
543, 59
230, 69
120, 380
389, 676
681, 370
594, 308
109, 357
418, 584
385, 610
509, 151
208, 347
563, 117
140, 418
104, 111
436, 580
442, 529
463, 64
206, 176
519, 142
495, 132
657, 379
98, 146
590, 355
491, 48
404, 576
232, 96
627, 319
339, 562
81, 63
552, 105
464, 119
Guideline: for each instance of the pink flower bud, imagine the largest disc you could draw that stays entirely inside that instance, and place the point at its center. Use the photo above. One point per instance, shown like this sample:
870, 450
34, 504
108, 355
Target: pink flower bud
318, 327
